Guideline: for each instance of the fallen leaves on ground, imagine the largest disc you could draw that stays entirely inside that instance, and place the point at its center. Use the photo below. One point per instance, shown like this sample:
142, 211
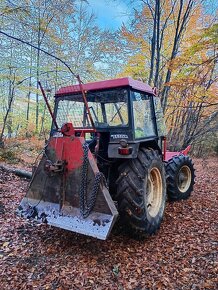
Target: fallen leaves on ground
182, 255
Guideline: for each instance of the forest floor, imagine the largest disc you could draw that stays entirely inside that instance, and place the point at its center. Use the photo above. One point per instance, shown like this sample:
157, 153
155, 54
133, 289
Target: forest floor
183, 254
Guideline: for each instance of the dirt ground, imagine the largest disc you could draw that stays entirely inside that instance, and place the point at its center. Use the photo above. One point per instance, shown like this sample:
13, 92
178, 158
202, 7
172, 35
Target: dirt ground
182, 255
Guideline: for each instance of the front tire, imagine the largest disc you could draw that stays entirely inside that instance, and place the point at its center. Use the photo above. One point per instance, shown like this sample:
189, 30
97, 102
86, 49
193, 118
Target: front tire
141, 192
180, 177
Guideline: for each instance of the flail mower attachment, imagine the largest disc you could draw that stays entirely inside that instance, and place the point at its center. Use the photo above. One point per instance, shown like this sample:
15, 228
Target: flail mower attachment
68, 191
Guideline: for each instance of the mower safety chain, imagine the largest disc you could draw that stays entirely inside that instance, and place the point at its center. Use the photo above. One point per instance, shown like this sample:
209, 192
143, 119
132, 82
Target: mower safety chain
85, 205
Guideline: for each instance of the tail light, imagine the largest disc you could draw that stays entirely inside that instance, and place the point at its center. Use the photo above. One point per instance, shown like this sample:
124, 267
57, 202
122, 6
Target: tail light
125, 151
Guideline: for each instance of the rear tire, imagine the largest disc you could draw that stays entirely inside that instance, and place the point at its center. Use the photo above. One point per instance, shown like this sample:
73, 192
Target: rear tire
141, 192
180, 177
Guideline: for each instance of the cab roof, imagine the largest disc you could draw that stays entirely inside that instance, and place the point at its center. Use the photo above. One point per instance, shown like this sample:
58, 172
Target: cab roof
103, 85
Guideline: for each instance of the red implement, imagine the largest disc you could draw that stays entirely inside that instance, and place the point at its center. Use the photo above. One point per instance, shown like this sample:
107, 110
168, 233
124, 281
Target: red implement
67, 193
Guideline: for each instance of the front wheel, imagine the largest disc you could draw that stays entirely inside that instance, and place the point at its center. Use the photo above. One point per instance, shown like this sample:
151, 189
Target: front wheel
141, 192
180, 177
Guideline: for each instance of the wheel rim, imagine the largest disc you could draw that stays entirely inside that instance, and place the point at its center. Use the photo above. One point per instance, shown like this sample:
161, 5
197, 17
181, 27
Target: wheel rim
154, 191
184, 178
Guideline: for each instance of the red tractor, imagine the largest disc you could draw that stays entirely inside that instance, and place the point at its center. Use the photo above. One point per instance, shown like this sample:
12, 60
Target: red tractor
107, 156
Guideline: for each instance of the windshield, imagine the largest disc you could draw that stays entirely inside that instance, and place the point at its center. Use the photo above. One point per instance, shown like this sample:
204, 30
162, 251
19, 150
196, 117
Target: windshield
108, 108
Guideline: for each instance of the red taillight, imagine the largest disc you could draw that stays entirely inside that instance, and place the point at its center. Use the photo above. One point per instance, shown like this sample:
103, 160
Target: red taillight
125, 151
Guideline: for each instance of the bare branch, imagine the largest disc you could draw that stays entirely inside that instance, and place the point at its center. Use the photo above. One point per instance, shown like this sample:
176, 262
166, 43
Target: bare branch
39, 49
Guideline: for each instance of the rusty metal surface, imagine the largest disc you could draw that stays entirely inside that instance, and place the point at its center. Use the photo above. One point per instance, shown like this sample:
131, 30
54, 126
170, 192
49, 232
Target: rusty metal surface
54, 195
97, 224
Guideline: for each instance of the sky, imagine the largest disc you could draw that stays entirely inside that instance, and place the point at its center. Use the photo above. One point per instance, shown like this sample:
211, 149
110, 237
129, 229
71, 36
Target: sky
110, 14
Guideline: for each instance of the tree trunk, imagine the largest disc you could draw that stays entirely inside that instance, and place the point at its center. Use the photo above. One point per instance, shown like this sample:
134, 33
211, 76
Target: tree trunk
29, 91
180, 27
16, 171
158, 43
153, 46
11, 96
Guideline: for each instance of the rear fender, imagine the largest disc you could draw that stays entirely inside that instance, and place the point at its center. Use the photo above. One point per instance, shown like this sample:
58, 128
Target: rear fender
170, 154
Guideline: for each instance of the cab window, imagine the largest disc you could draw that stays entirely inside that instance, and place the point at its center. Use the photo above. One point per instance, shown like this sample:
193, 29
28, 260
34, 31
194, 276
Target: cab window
142, 114
161, 126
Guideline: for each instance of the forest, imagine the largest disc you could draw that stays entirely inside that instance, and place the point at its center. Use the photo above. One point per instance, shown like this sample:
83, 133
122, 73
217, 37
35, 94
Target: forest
171, 45
161, 213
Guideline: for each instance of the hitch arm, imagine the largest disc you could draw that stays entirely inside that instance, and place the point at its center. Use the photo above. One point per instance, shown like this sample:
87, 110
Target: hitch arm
48, 106
85, 101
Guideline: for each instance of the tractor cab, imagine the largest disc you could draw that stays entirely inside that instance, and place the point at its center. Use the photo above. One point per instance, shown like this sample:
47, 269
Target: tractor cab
124, 111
